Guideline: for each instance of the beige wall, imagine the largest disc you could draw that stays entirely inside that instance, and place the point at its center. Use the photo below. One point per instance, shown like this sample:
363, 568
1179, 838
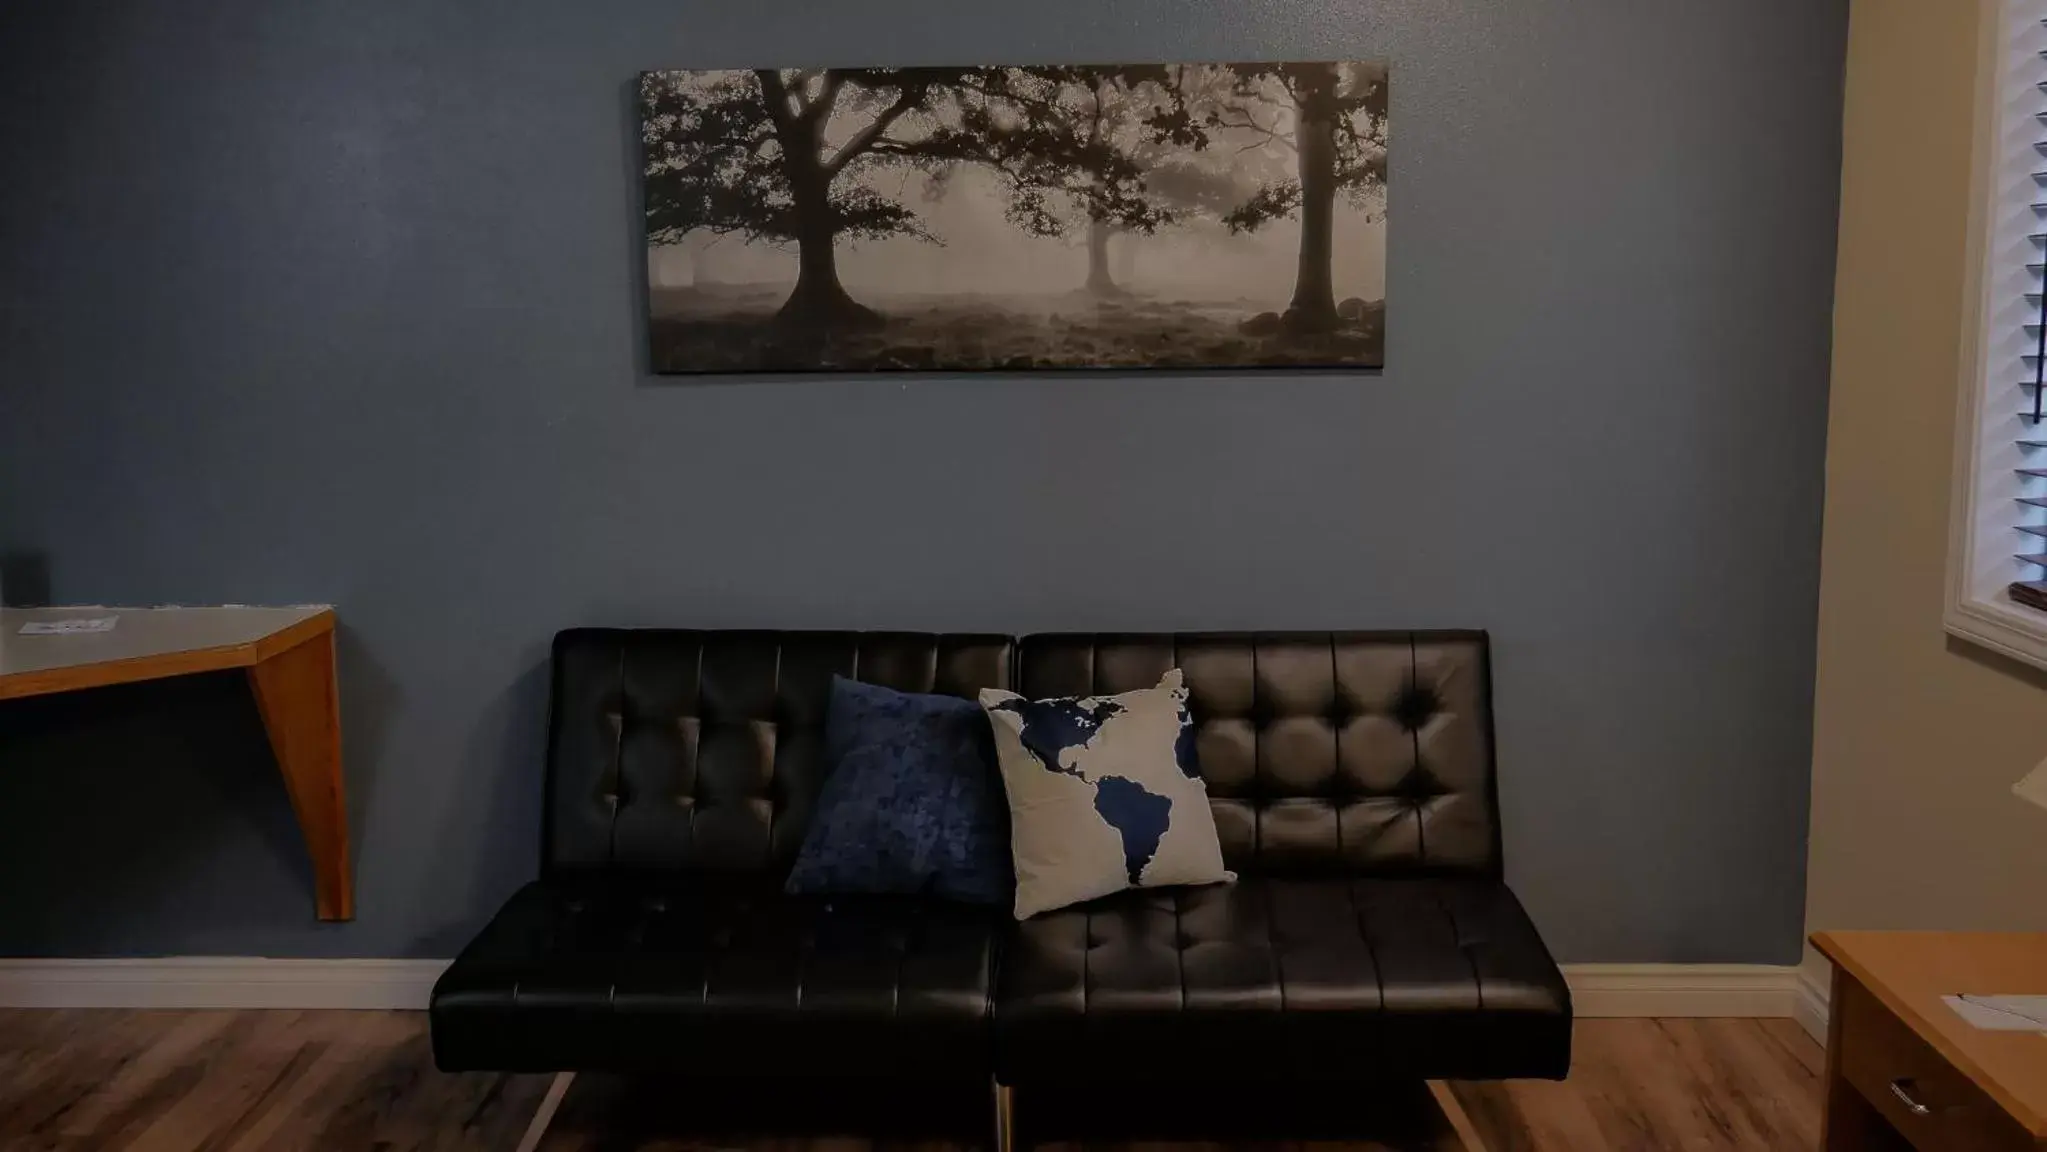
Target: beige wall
1917, 740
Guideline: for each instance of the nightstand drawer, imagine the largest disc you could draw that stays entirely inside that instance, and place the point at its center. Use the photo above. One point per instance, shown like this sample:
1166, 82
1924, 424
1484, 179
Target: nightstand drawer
1925, 1098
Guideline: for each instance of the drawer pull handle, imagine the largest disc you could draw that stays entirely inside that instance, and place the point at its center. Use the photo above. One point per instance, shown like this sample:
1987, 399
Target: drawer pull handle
1905, 1098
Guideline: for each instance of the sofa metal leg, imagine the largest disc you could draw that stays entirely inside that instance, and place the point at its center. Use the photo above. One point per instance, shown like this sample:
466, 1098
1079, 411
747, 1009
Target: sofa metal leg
1457, 1133
544, 1115
1005, 1118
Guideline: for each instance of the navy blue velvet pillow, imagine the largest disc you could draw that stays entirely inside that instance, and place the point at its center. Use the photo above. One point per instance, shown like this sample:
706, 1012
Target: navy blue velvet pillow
913, 802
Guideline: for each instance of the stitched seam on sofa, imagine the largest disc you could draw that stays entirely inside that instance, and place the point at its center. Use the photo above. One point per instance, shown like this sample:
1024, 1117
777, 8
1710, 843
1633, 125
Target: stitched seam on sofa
1414, 737
1257, 763
697, 753
612, 779
1357, 914
991, 976
775, 748
707, 958
1179, 945
1272, 943
1457, 937
895, 991
1336, 755
1087, 948
802, 968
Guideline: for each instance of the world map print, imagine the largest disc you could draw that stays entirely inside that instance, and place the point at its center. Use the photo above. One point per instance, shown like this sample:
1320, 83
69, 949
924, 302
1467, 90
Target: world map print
1055, 731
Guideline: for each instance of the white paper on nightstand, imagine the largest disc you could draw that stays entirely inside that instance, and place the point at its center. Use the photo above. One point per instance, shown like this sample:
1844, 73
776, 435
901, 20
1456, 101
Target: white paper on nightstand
68, 627
2002, 1013
2034, 786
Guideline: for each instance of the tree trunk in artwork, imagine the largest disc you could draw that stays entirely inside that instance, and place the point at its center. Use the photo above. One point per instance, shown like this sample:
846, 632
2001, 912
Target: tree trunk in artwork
819, 301
1099, 281
1313, 308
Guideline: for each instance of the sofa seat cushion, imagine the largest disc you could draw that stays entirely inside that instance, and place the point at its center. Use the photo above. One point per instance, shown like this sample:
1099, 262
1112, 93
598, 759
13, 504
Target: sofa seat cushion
720, 979
1285, 979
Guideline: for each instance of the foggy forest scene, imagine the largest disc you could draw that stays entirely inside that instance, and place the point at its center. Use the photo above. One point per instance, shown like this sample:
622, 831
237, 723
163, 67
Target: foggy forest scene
1016, 218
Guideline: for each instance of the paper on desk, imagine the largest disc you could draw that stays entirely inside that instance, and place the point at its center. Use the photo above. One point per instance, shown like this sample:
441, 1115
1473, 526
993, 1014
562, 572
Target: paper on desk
67, 627
2034, 786
2002, 1013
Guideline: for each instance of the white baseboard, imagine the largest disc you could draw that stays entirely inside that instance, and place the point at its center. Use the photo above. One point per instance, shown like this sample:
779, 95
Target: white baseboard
1765, 990
1811, 1009
258, 982
218, 982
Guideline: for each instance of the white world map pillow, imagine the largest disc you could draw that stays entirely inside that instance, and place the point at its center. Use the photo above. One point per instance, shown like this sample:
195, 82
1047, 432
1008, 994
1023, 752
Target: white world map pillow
1103, 794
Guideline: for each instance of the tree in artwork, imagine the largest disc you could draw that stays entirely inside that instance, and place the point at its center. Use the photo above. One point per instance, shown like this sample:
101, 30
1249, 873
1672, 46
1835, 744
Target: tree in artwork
901, 218
1138, 148
1333, 118
752, 153
1076, 145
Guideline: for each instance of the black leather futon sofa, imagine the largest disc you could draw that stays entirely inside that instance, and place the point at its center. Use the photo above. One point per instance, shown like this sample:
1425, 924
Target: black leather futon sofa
1370, 936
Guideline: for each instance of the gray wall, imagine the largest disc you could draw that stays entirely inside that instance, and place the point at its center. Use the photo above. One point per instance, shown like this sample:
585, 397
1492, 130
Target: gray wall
339, 302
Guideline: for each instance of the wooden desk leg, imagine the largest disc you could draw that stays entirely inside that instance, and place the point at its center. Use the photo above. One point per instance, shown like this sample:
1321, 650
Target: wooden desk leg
1850, 1123
301, 709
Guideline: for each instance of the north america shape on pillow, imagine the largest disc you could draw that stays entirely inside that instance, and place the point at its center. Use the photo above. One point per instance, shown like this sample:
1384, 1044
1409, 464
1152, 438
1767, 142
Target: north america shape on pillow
1104, 794
1057, 732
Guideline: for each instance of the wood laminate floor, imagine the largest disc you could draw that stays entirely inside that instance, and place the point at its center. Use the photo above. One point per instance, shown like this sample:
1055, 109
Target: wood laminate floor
86, 1081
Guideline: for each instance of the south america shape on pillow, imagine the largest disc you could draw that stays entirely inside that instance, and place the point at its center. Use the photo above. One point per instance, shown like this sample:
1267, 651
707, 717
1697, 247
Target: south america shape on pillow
1104, 794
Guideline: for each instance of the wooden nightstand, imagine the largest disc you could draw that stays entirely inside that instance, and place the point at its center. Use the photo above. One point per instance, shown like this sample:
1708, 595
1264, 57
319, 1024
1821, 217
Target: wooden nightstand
1903, 1071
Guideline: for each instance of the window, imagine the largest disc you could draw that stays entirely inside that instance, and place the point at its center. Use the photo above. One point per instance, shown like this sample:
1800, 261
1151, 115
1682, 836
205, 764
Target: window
1997, 579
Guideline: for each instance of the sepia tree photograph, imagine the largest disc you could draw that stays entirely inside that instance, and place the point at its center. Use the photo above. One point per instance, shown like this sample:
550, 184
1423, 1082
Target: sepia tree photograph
1016, 218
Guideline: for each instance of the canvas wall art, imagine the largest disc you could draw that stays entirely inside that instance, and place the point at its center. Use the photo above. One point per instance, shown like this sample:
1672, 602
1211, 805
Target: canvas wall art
1016, 218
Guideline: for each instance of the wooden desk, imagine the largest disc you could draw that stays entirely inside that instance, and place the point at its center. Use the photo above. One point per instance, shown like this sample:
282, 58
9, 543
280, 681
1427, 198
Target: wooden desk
289, 655
1903, 1070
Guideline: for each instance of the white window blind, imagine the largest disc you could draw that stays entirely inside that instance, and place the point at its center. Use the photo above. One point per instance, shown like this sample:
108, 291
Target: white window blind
2029, 493
1997, 581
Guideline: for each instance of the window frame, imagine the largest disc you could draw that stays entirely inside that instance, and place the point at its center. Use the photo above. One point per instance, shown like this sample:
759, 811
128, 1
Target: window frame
1980, 548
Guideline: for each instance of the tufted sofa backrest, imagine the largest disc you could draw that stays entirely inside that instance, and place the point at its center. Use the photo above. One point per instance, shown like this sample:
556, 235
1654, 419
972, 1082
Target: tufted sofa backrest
704, 751
1323, 752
